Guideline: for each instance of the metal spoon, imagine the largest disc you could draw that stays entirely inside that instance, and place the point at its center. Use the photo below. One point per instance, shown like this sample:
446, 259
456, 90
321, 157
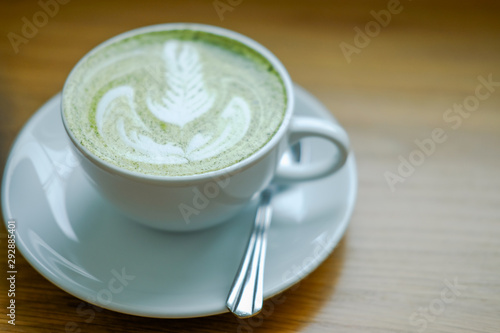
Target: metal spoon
245, 298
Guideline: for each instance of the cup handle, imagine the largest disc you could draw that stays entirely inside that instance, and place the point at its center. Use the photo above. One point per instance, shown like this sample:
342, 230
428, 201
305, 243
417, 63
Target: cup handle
302, 127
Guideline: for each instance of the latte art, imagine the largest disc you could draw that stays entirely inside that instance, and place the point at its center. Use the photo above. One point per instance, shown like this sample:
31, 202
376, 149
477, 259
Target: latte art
187, 97
185, 100
174, 103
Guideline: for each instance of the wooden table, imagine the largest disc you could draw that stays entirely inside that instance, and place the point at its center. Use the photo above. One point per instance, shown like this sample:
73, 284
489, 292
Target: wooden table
422, 252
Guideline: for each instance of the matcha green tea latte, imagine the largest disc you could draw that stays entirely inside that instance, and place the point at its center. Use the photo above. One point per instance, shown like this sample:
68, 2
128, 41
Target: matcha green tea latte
174, 103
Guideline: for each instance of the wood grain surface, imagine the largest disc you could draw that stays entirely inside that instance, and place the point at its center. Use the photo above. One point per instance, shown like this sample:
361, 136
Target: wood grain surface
420, 255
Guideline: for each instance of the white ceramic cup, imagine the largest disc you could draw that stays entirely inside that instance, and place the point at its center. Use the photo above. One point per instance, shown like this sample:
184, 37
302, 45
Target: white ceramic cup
181, 203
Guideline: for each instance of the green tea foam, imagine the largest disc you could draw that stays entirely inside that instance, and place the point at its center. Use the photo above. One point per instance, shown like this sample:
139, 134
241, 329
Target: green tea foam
174, 103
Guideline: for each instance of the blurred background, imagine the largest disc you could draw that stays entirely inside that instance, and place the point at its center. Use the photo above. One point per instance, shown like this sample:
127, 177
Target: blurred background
391, 72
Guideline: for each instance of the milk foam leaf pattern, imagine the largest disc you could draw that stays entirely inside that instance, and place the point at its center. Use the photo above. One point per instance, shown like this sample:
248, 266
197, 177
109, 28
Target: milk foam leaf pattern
187, 97
184, 99
121, 98
237, 114
152, 151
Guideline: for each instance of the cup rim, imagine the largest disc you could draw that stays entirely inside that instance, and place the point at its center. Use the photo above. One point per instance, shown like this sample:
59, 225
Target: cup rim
229, 170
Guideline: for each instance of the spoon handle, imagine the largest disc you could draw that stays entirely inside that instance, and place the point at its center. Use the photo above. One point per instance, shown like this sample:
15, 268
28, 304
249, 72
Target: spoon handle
246, 295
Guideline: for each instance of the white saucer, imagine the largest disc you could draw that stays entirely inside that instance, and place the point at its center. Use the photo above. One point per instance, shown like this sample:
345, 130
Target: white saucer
69, 234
